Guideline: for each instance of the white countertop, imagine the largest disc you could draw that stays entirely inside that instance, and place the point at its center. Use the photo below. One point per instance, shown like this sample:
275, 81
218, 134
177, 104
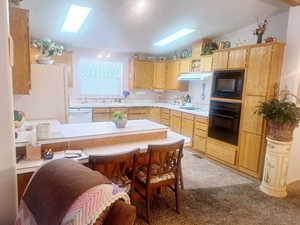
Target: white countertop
85, 131
26, 166
198, 112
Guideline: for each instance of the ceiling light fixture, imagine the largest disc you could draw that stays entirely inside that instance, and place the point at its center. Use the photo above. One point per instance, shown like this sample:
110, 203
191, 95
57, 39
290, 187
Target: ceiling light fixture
108, 55
75, 18
100, 56
179, 34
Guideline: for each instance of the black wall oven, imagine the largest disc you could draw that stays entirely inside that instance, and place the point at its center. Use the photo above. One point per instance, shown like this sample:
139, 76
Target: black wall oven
224, 121
228, 84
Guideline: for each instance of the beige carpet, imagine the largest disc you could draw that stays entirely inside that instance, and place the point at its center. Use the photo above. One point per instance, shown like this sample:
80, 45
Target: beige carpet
215, 195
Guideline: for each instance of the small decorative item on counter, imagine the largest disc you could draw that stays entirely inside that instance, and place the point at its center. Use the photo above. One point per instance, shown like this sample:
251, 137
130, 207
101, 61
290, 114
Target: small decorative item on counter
282, 115
48, 154
120, 119
209, 48
33, 152
47, 48
125, 94
227, 44
260, 30
270, 39
19, 118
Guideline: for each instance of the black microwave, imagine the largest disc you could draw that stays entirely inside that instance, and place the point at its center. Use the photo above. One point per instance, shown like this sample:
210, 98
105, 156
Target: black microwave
228, 84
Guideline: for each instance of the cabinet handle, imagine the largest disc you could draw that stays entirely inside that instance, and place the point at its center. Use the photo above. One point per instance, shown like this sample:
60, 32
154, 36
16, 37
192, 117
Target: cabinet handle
11, 50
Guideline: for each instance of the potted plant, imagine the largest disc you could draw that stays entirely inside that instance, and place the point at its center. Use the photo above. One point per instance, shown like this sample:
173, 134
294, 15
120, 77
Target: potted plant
47, 48
120, 119
282, 116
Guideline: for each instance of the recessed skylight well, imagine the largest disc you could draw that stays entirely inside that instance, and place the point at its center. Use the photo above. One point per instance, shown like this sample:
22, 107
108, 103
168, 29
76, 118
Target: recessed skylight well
179, 34
75, 18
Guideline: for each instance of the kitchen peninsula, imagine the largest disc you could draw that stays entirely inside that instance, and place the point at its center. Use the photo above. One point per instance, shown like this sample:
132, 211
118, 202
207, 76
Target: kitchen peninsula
99, 138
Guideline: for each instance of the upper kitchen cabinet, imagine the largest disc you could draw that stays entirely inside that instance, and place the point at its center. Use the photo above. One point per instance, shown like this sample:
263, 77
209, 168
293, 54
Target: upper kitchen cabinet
264, 68
185, 66
237, 59
220, 60
159, 78
172, 83
141, 76
206, 63
19, 30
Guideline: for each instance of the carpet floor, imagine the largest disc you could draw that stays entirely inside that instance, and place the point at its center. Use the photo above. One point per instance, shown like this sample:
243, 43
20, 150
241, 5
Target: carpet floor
215, 195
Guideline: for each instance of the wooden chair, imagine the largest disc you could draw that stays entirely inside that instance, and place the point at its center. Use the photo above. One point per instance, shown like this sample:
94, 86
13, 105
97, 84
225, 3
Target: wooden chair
163, 169
116, 167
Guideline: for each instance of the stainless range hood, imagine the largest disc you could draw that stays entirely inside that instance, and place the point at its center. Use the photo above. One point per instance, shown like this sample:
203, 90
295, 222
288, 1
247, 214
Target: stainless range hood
194, 76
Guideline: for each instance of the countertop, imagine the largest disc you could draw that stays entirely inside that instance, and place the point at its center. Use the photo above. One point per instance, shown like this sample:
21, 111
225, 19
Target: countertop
198, 112
26, 166
85, 131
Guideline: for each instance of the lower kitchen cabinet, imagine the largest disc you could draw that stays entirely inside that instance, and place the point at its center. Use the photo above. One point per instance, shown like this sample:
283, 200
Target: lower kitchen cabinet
250, 152
199, 143
200, 134
187, 125
175, 121
221, 151
138, 113
155, 114
101, 114
165, 117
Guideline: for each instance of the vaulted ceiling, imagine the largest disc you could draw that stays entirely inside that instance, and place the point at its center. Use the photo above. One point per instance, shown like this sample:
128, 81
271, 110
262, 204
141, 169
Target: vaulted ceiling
122, 25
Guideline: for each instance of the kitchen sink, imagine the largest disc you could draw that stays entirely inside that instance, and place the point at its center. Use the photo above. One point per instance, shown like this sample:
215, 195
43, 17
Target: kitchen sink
189, 107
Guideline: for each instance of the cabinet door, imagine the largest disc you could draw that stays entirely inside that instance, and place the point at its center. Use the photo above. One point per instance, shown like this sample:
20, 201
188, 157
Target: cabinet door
159, 78
19, 22
258, 70
187, 125
252, 122
206, 63
199, 143
220, 60
155, 114
237, 59
185, 66
148, 73
175, 121
143, 75
250, 151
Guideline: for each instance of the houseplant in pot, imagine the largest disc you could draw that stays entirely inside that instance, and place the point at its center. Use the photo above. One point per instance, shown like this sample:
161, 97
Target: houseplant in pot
282, 115
47, 48
120, 119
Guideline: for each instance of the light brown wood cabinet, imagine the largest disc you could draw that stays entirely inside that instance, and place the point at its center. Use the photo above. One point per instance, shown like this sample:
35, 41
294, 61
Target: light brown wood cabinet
101, 114
175, 121
19, 30
185, 66
160, 72
138, 113
220, 60
141, 75
206, 63
251, 152
155, 114
165, 117
237, 59
200, 134
173, 71
259, 70
187, 125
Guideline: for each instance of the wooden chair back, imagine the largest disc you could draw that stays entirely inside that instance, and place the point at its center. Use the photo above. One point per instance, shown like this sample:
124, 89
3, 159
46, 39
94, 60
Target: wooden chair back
116, 166
164, 159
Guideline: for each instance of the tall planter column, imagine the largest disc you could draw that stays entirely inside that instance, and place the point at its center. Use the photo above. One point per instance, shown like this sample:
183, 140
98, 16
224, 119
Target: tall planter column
275, 170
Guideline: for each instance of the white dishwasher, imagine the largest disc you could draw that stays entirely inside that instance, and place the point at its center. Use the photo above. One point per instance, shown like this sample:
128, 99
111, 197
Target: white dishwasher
80, 115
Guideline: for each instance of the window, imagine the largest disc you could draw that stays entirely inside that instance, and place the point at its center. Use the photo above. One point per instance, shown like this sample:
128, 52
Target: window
100, 78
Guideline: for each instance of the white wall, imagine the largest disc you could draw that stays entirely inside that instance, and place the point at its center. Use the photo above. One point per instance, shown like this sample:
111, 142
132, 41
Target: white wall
277, 28
290, 80
7, 150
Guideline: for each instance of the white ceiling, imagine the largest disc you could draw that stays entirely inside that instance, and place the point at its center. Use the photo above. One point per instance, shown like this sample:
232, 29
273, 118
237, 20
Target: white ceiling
116, 25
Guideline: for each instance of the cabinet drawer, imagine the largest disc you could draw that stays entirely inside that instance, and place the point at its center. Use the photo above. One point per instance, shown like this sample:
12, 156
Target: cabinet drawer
187, 127
165, 122
221, 150
139, 110
101, 117
201, 120
200, 133
101, 110
165, 110
175, 113
122, 110
201, 126
199, 143
188, 116
137, 116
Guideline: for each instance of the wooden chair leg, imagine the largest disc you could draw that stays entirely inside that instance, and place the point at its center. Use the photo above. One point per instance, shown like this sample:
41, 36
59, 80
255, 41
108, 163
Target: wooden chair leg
148, 207
181, 178
177, 196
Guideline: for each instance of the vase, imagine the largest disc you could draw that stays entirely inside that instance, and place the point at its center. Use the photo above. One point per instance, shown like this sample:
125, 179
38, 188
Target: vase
260, 38
120, 123
45, 60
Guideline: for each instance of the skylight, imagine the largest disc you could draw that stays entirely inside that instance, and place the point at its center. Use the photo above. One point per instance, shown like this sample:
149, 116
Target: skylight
179, 34
75, 18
